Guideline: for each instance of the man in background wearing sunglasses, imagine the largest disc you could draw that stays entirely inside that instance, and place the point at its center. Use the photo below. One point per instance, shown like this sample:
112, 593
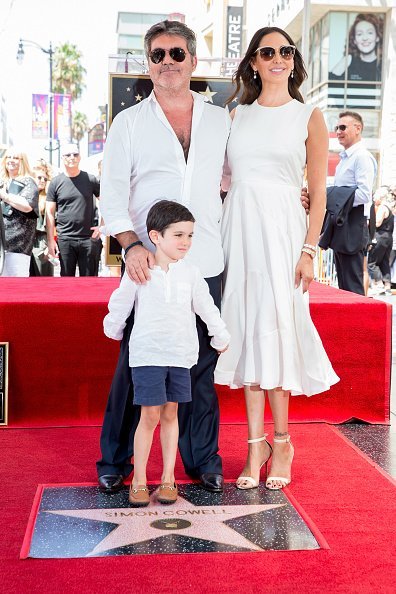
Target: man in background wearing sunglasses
357, 167
72, 195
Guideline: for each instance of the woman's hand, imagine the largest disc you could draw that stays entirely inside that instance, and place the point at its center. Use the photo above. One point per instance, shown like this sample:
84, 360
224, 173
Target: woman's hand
304, 272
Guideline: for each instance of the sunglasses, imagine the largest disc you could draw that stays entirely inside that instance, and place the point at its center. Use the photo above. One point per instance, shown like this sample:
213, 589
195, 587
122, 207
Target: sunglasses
71, 155
341, 127
42, 178
176, 53
267, 53
13, 157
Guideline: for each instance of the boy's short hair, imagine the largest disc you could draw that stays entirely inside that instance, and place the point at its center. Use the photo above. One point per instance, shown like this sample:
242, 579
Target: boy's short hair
165, 213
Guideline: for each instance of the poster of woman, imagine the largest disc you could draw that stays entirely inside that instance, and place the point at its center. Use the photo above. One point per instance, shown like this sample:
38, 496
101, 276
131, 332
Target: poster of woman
363, 38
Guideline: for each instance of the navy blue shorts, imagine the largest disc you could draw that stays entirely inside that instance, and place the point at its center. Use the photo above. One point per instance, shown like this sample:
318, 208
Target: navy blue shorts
154, 385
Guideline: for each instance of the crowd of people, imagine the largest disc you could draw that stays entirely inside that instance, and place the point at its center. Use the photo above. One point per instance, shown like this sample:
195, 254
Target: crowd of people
50, 219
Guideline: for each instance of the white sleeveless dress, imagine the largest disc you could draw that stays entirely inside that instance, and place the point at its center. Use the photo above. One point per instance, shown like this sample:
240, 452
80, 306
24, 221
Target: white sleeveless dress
273, 340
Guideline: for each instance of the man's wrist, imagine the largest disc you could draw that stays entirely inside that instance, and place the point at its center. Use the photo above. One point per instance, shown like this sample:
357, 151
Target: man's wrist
132, 245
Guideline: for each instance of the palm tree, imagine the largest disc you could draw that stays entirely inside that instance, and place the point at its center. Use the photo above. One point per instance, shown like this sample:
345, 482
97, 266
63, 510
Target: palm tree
79, 125
68, 72
68, 78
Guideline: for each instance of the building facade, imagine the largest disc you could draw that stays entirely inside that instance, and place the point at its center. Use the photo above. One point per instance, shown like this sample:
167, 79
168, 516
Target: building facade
349, 50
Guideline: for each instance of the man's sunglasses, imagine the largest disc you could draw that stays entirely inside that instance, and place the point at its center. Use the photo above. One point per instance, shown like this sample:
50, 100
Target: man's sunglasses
71, 154
340, 127
176, 53
267, 53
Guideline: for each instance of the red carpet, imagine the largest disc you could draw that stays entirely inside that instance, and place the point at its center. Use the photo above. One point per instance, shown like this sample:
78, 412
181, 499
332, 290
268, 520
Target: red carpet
61, 364
349, 500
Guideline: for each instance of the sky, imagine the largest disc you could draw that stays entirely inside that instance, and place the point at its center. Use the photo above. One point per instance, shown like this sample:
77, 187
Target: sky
90, 24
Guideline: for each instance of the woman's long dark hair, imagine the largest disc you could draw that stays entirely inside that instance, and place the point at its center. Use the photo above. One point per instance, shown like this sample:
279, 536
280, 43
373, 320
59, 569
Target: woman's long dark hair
251, 87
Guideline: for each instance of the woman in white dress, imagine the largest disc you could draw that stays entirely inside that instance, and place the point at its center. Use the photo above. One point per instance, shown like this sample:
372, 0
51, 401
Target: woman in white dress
269, 248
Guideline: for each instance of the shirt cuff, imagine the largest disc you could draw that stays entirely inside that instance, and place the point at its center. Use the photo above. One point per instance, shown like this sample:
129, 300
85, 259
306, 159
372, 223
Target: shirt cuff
112, 330
118, 226
220, 341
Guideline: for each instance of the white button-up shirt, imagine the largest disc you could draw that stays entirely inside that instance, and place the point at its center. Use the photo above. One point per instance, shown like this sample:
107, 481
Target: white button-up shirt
357, 167
144, 162
164, 331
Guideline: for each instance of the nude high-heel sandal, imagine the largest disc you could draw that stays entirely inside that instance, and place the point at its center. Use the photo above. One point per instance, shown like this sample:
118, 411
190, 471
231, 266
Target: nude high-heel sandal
249, 479
281, 479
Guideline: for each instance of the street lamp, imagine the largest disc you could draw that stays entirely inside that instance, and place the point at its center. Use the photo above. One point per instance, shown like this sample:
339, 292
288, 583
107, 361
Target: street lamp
50, 52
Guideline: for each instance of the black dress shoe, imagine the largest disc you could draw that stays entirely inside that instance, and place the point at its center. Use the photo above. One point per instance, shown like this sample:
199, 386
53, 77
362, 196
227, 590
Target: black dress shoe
111, 483
212, 481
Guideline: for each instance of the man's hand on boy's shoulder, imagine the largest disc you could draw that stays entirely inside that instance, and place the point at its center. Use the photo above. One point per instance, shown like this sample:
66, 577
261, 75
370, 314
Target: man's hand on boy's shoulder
138, 262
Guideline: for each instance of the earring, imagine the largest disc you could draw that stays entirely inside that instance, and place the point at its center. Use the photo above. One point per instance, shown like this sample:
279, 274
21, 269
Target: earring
254, 73
292, 74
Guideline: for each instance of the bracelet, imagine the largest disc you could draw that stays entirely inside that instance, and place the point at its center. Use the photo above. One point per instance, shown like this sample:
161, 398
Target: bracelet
309, 252
311, 247
130, 246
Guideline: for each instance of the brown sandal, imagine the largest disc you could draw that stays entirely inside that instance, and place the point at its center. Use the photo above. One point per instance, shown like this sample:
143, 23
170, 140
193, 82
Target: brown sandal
167, 493
139, 496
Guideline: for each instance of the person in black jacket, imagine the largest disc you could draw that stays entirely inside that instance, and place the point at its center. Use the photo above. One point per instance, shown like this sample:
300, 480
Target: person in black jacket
379, 255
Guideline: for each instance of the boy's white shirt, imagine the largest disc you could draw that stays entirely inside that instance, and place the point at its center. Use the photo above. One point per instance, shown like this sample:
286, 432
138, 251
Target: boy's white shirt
164, 331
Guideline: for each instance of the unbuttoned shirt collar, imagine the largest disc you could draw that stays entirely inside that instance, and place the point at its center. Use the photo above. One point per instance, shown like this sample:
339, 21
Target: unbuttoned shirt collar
352, 149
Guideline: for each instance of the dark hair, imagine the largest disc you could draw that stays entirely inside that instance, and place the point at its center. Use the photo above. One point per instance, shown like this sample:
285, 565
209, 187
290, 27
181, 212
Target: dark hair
352, 114
171, 28
165, 213
377, 23
251, 87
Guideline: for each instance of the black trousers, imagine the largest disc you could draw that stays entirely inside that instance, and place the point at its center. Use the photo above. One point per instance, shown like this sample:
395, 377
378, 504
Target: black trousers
82, 251
379, 258
198, 419
350, 271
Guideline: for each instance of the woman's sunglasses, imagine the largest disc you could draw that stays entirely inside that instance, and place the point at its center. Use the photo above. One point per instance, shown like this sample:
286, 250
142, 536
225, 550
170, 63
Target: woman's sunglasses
267, 53
42, 178
176, 53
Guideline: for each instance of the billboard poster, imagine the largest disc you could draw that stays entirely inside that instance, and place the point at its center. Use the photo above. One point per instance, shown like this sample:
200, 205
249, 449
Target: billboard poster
40, 116
96, 136
62, 117
355, 50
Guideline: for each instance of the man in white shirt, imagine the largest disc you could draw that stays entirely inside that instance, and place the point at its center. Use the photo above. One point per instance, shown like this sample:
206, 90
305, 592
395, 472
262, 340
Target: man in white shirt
171, 145
357, 167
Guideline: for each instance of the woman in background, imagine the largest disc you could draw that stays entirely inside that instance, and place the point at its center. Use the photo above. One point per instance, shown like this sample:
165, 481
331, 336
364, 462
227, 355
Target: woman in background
19, 203
40, 264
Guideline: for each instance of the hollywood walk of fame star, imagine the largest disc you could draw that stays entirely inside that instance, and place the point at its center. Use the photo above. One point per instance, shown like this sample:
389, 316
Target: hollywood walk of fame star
128, 89
208, 94
138, 98
137, 525
122, 103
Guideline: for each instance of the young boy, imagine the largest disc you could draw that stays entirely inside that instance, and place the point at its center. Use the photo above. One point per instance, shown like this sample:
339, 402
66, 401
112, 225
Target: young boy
164, 342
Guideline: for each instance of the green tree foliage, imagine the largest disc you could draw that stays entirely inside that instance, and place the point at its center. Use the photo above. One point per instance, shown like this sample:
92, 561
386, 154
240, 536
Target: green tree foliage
68, 77
68, 72
79, 125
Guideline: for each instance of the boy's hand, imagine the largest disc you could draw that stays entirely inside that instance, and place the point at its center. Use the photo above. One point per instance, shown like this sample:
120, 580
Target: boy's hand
223, 350
138, 263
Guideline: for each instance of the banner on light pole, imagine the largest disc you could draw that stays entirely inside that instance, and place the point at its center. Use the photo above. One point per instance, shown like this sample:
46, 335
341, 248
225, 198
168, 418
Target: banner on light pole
62, 117
40, 116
